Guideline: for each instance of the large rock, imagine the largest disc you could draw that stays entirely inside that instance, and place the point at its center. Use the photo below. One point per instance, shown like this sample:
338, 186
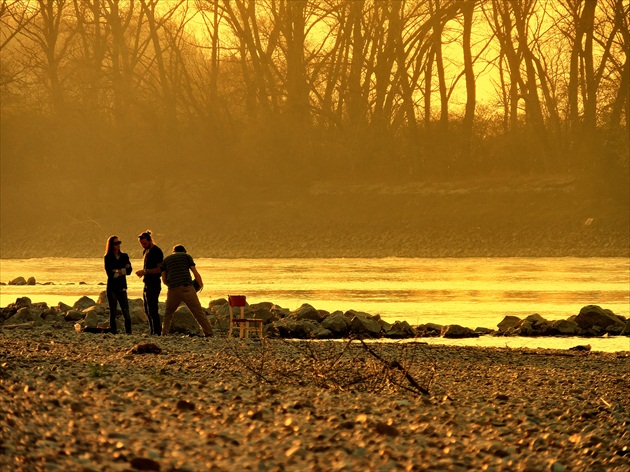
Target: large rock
483, 331
307, 312
524, 328
25, 315
261, 312
91, 319
102, 298
457, 331
18, 281
566, 327
49, 314
98, 310
73, 315
220, 316
22, 302
83, 303
508, 323
533, 325
323, 314
535, 319
136, 303
222, 311
594, 319
400, 330
285, 327
385, 326
266, 305
31, 281
364, 324
184, 322
138, 316
6, 313
217, 302
337, 323
53, 317
280, 312
62, 307
429, 330
310, 329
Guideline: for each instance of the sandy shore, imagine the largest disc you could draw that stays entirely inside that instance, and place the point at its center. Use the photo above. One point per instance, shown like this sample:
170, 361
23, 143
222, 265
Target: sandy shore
75, 401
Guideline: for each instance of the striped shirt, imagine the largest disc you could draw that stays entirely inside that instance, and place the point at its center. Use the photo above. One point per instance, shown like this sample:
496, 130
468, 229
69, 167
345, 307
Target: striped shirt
177, 267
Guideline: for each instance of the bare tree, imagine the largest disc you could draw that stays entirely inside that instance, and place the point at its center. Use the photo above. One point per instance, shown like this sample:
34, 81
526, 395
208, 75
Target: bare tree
468, 8
126, 47
621, 26
13, 18
93, 35
155, 24
48, 32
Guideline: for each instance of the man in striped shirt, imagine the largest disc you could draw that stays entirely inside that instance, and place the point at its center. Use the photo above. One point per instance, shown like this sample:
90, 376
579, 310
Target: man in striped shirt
176, 269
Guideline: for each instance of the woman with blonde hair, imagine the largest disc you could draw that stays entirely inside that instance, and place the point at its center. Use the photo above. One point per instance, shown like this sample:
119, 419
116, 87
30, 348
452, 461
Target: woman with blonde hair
117, 267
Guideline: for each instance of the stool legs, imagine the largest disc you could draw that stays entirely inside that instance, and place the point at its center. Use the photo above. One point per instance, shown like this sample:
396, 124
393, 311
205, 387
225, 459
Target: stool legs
244, 327
241, 323
231, 323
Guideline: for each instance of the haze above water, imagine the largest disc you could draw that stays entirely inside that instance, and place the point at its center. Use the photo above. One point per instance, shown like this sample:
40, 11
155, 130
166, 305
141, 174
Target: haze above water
472, 292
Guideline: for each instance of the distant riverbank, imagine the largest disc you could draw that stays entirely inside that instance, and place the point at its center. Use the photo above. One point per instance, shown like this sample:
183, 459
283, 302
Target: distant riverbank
495, 218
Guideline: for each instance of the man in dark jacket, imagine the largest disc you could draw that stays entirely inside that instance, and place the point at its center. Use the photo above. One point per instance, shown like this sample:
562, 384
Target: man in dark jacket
153, 257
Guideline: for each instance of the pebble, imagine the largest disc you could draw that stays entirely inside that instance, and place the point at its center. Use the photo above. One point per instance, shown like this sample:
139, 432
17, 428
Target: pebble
92, 403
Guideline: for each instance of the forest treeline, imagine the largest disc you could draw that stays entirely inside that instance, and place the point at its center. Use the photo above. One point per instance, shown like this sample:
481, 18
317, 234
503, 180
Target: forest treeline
314, 89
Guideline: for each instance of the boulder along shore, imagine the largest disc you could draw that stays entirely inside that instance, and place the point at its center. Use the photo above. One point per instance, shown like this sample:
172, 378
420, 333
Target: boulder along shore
306, 322
129, 402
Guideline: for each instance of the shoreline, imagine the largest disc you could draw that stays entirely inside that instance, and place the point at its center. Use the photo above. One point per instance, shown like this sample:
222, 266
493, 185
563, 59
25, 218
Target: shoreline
90, 402
594, 328
427, 256
301, 246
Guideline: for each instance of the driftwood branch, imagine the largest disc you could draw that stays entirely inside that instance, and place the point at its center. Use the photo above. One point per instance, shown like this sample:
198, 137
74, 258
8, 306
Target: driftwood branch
396, 365
331, 365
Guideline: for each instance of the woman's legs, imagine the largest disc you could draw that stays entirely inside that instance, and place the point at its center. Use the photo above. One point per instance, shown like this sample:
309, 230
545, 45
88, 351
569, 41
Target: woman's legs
124, 306
112, 300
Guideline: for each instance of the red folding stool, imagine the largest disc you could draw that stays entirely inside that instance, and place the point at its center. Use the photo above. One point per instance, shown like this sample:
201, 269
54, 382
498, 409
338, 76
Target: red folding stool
244, 325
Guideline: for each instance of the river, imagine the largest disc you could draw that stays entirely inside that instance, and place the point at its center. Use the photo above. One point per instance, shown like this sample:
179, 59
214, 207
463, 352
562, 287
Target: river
473, 292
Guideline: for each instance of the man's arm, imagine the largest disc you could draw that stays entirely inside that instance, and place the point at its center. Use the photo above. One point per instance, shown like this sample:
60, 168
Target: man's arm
156, 270
197, 275
162, 267
142, 272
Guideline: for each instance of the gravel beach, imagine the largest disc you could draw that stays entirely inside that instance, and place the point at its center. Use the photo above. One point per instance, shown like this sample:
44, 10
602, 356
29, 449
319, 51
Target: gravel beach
88, 402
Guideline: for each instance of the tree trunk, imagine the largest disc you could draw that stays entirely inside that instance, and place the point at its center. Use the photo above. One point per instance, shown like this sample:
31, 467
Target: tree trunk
533, 110
468, 8
297, 88
51, 13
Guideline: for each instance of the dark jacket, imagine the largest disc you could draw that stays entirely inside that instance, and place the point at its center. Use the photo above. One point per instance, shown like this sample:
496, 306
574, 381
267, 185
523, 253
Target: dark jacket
152, 259
111, 264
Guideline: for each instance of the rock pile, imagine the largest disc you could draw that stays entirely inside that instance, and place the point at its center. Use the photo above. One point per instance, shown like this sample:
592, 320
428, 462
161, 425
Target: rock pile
591, 321
307, 322
31, 281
